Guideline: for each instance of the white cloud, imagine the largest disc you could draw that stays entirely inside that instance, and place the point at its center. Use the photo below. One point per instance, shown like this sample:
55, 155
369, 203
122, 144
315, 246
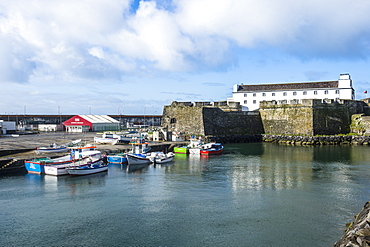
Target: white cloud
76, 37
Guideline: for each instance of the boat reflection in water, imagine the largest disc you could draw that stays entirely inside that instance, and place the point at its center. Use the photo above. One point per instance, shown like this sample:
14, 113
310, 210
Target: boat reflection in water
136, 168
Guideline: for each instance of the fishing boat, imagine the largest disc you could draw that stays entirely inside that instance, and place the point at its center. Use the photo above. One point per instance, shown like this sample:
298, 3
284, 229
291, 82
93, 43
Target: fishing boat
194, 143
91, 168
37, 165
118, 158
53, 148
211, 148
137, 155
104, 140
138, 159
181, 150
161, 157
86, 158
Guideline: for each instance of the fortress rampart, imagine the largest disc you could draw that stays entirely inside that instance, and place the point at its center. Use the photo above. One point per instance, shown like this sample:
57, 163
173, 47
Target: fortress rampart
295, 117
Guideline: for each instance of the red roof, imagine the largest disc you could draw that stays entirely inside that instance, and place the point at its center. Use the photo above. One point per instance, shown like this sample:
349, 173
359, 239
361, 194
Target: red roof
77, 121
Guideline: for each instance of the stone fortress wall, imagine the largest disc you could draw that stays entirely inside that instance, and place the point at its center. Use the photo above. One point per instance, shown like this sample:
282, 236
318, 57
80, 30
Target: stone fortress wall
306, 117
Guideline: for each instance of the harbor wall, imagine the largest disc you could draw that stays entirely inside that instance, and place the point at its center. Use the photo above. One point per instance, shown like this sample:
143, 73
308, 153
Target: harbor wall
208, 119
309, 116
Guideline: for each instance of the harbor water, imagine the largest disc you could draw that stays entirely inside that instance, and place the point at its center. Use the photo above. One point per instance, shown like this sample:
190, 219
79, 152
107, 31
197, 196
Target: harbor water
255, 194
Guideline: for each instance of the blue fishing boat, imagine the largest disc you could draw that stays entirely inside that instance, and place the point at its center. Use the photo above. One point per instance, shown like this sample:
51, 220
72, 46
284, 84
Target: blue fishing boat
37, 165
119, 158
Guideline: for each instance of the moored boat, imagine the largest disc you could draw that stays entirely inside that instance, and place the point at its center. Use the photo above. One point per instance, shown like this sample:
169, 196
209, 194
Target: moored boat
138, 159
190, 148
103, 140
138, 156
181, 150
53, 148
160, 157
37, 166
87, 158
211, 148
118, 158
94, 167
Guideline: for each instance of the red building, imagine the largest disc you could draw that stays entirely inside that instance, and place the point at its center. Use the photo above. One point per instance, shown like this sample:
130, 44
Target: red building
85, 123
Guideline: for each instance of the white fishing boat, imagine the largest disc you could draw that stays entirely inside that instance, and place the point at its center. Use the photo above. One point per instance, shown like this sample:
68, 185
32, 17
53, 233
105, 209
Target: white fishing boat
138, 159
103, 140
53, 148
85, 158
161, 157
91, 168
138, 156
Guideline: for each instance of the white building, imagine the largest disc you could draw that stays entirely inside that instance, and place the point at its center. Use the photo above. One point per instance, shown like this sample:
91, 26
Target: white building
250, 96
7, 127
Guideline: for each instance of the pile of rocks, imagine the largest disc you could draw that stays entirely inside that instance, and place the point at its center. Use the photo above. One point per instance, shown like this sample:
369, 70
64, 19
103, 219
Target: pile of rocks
317, 140
358, 232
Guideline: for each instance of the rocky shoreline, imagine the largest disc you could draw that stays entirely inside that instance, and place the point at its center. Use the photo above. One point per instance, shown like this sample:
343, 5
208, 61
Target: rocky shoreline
358, 231
317, 140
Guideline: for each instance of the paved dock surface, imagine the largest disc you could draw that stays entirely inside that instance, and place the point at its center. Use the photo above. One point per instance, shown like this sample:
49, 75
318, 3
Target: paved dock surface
45, 139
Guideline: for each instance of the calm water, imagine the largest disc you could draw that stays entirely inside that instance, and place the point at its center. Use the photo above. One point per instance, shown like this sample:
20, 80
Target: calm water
256, 194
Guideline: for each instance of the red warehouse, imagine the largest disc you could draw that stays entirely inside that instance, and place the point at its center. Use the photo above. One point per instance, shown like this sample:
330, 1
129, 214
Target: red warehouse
85, 123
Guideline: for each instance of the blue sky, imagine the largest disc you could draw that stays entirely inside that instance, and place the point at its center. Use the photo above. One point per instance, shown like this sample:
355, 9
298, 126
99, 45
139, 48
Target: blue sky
134, 57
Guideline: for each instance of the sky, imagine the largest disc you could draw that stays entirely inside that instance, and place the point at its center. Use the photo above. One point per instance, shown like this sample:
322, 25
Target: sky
135, 57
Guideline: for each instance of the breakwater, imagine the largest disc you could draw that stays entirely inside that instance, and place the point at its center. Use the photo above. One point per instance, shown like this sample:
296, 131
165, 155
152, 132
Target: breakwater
293, 139
317, 140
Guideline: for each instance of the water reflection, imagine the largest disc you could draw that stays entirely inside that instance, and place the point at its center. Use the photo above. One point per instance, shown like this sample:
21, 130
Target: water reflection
136, 168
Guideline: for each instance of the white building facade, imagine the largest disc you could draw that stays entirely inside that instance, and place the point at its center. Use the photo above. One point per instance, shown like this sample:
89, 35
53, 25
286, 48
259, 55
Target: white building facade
250, 96
7, 127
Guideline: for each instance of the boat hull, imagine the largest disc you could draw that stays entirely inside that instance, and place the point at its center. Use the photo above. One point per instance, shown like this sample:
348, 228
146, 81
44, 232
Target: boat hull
181, 150
210, 152
52, 150
38, 167
117, 159
86, 170
164, 160
56, 170
137, 159
194, 151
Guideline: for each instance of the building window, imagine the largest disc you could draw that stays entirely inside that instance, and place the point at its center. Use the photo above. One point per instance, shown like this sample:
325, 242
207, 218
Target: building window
284, 94
263, 94
254, 95
273, 94
245, 102
315, 92
254, 101
245, 95
326, 92
336, 91
294, 93
304, 92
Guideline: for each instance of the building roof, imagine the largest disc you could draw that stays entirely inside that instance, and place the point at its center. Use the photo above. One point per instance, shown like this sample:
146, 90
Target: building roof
99, 118
288, 86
